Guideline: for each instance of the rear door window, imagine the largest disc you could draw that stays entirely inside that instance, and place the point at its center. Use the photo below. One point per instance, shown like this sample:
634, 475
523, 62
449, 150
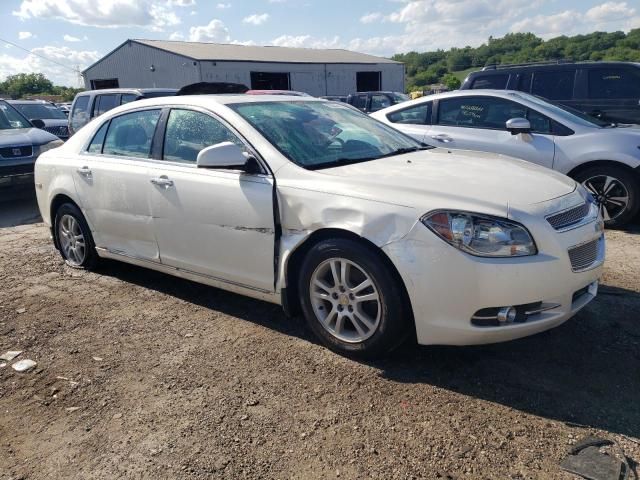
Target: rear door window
127, 97
359, 101
378, 102
104, 103
79, 114
416, 115
479, 112
614, 83
498, 82
554, 85
131, 134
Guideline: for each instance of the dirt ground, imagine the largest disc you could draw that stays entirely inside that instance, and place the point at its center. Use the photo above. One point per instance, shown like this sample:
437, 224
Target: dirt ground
142, 375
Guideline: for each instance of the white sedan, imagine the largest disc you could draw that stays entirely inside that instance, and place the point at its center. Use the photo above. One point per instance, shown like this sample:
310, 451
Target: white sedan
309, 204
603, 156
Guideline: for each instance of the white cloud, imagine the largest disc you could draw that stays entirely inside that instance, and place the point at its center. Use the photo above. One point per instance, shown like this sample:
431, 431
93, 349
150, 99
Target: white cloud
70, 38
214, 31
111, 14
176, 36
24, 35
59, 75
223, 6
604, 17
181, 3
371, 17
256, 19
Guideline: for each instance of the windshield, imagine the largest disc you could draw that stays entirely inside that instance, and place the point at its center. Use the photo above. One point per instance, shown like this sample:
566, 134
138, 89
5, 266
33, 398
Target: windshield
567, 113
10, 118
324, 134
40, 110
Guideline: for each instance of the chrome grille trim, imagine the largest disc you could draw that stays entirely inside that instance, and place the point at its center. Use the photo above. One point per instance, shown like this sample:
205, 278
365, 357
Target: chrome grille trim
569, 217
584, 256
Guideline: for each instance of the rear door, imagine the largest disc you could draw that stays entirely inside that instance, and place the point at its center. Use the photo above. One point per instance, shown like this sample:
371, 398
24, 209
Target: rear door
217, 223
112, 181
613, 94
479, 123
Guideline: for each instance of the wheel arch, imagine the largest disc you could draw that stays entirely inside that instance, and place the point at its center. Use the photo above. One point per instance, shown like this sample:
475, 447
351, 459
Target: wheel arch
290, 294
604, 163
56, 202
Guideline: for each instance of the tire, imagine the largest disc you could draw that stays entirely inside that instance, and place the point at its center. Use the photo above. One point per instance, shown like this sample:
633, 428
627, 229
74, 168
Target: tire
74, 239
367, 321
609, 184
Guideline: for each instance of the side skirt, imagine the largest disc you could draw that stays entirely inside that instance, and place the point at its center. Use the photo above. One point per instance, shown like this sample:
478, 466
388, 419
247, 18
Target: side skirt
238, 288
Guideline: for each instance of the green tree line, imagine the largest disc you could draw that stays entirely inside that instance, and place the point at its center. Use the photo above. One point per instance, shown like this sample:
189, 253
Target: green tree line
449, 66
24, 84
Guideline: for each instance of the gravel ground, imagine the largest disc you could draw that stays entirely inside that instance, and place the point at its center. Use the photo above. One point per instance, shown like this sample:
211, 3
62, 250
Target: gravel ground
143, 375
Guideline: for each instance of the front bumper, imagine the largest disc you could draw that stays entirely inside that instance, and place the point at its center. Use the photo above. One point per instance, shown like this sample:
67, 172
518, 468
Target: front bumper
16, 174
448, 287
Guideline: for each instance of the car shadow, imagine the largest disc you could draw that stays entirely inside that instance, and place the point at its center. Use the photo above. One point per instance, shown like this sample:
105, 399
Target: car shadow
18, 206
585, 372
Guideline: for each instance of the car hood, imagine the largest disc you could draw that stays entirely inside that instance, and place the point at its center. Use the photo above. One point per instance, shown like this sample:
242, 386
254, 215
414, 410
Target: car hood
25, 136
440, 178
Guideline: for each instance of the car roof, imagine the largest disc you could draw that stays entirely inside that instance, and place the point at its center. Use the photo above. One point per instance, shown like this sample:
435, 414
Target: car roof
225, 99
127, 90
29, 102
497, 69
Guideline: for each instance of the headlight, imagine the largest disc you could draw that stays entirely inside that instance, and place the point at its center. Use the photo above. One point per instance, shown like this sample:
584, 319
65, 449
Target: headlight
481, 235
586, 194
40, 149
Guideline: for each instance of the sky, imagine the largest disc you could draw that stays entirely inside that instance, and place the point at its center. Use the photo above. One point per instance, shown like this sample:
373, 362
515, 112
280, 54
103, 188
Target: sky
76, 33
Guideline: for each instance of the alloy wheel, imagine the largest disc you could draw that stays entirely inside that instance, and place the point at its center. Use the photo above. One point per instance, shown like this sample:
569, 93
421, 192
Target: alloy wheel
610, 194
345, 300
72, 241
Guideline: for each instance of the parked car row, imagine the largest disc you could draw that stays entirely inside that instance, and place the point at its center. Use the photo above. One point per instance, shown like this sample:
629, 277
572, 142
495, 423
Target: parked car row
370, 234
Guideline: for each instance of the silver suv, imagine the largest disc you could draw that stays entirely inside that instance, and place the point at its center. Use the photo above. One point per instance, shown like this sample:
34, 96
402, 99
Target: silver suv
604, 157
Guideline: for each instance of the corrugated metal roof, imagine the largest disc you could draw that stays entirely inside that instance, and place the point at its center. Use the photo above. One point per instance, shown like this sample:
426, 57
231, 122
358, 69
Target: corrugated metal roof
250, 53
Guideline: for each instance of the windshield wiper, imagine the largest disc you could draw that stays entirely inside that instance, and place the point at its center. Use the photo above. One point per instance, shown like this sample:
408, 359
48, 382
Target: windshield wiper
349, 161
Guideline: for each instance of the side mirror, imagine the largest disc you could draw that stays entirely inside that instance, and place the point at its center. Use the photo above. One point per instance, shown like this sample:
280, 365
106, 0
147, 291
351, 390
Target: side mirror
36, 122
226, 155
518, 125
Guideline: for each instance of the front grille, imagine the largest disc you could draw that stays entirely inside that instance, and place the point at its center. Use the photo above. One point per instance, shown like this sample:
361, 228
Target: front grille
60, 131
16, 152
569, 217
583, 256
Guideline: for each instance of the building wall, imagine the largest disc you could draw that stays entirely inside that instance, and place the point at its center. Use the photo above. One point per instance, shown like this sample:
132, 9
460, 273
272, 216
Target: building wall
131, 65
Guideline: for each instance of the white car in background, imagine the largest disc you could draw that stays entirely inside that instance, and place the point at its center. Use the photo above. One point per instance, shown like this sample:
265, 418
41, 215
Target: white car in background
317, 207
604, 157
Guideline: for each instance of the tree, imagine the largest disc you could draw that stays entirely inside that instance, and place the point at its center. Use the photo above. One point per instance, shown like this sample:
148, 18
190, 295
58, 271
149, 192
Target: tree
451, 81
23, 84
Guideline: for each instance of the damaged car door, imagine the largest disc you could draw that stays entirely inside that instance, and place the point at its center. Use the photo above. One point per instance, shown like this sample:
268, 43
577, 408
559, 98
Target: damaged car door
218, 221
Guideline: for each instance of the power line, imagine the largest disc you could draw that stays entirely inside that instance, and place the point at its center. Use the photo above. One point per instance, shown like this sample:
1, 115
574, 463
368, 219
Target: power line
41, 56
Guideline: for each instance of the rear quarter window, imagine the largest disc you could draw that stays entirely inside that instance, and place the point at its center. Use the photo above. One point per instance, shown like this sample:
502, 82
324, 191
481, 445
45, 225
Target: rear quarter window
614, 83
417, 115
80, 113
498, 82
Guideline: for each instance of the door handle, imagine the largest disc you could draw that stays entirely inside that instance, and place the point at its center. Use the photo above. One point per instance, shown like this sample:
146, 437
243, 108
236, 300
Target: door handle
84, 171
162, 181
442, 137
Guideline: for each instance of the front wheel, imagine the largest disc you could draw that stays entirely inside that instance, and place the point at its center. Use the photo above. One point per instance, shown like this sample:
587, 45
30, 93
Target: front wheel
616, 192
351, 299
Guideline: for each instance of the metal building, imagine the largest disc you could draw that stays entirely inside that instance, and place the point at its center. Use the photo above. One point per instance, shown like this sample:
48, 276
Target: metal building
159, 63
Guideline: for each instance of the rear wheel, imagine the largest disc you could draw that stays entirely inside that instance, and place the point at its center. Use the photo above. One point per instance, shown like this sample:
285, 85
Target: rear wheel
74, 238
351, 299
616, 192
